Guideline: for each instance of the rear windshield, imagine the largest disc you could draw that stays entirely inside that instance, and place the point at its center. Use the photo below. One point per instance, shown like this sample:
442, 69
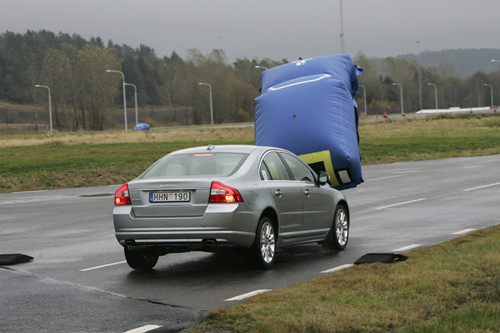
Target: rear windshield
195, 165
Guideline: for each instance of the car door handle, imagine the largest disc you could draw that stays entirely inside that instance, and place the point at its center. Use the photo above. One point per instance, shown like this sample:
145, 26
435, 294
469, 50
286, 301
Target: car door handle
307, 193
278, 193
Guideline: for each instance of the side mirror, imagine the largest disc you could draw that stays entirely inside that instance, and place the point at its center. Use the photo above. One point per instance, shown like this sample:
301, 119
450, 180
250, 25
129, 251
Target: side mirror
323, 178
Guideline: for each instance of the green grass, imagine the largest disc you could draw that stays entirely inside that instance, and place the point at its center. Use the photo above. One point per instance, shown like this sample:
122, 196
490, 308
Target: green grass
425, 146
61, 166
450, 287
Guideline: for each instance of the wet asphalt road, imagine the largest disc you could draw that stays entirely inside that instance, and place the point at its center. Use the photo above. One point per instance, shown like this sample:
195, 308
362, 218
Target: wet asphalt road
79, 282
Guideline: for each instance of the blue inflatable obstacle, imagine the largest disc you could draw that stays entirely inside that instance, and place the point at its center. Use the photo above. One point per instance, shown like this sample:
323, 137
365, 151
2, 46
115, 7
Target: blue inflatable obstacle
309, 108
141, 127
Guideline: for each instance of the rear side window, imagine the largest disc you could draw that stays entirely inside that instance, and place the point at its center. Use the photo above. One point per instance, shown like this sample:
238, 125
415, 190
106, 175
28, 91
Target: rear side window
272, 168
195, 165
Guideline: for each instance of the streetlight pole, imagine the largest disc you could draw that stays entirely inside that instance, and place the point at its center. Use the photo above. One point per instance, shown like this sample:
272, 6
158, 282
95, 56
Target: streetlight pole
135, 95
124, 96
493, 60
419, 77
491, 91
364, 97
342, 45
435, 92
211, 104
50, 105
401, 95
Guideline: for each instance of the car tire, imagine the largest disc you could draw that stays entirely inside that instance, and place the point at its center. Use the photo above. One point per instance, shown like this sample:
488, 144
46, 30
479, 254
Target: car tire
140, 260
263, 250
339, 232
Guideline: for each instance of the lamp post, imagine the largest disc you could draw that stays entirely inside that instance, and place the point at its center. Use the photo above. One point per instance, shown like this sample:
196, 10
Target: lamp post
494, 60
261, 67
124, 96
50, 105
401, 96
364, 98
342, 45
419, 77
211, 106
135, 95
491, 91
435, 92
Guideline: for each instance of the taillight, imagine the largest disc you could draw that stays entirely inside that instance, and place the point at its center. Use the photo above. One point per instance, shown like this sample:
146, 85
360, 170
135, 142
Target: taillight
220, 193
122, 196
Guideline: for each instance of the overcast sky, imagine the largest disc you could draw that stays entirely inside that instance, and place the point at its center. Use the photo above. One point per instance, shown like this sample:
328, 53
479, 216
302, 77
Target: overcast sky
273, 29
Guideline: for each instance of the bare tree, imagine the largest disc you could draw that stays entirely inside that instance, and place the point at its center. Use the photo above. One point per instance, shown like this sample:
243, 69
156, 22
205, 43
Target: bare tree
96, 88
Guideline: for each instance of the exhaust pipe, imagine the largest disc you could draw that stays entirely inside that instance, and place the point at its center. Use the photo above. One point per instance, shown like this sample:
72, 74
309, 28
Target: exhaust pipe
209, 242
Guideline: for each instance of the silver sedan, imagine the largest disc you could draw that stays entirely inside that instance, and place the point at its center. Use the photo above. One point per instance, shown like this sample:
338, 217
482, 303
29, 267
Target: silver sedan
248, 198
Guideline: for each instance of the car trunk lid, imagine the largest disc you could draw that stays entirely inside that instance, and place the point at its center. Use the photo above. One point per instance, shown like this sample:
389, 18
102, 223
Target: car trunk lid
169, 198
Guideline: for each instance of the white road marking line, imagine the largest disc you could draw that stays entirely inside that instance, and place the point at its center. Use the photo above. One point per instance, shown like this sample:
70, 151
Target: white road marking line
143, 329
407, 248
102, 266
462, 232
247, 295
336, 269
401, 203
404, 172
473, 166
480, 187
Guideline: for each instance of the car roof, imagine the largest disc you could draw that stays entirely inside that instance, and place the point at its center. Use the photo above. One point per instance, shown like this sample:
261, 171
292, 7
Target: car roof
246, 149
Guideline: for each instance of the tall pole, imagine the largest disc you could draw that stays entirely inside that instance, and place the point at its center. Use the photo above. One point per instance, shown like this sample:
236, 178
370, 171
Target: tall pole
124, 96
419, 77
135, 95
493, 60
401, 95
491, 91
342, 46
435, 92
50, 105
364, 98
211, 104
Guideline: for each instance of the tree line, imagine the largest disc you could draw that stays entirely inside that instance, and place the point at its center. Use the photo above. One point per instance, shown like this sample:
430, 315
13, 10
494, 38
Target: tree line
420, 85
168, 89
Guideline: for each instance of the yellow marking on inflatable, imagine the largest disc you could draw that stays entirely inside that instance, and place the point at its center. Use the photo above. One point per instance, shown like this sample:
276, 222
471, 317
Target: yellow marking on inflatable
322, 156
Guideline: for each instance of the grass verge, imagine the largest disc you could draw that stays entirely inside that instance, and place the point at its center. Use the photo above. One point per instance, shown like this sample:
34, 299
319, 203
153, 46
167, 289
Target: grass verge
450, 287
64, 166
33, 162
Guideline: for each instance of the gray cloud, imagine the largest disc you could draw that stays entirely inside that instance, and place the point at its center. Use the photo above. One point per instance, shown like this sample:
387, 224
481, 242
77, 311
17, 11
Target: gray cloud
266, 28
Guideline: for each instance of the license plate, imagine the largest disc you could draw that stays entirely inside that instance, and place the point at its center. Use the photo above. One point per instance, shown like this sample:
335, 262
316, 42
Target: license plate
169, 197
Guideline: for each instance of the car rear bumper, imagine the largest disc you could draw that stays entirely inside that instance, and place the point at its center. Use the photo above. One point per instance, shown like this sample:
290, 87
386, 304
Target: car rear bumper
222, 224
